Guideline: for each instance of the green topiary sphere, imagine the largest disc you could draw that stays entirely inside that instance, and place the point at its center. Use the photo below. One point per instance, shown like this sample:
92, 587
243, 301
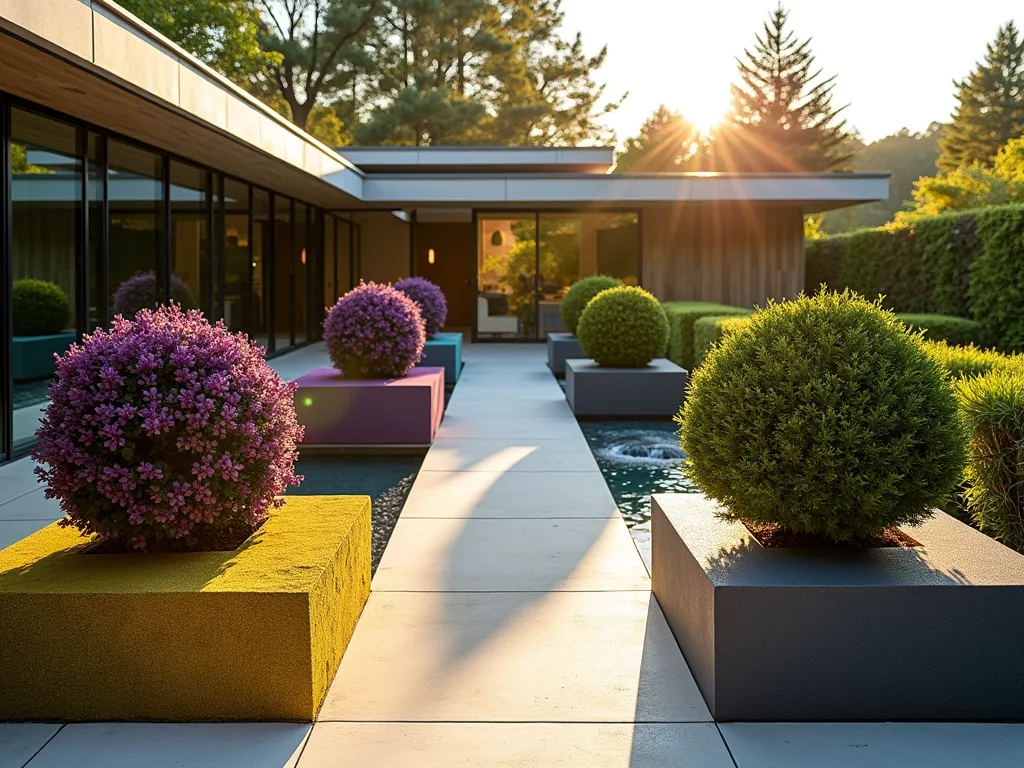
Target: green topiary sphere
41, 308
824, 416
579, 295
623, 327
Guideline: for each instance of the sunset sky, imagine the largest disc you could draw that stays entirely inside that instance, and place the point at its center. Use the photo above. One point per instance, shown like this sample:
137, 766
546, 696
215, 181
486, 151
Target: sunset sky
895, 59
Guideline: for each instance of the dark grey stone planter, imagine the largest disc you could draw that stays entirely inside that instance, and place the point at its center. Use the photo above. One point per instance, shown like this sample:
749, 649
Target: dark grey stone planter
926, 633
32, 356
561, 347
656, 390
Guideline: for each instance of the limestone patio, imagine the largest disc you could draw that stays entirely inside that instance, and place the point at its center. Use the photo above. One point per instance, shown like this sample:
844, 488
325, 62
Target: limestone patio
511, 623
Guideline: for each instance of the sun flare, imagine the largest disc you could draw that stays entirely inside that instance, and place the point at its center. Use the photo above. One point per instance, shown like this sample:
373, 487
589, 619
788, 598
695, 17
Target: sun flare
705, 107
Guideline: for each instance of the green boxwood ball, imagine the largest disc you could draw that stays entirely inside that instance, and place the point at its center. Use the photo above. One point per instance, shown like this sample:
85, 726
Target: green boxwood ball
824, 416
41, 308
579, 295
623, 327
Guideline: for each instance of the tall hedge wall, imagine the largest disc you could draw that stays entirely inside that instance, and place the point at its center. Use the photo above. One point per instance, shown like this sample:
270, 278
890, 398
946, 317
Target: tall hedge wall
969, 264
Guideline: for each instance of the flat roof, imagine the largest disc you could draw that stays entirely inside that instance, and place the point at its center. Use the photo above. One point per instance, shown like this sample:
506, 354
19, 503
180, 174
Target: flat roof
410, 160
812, 192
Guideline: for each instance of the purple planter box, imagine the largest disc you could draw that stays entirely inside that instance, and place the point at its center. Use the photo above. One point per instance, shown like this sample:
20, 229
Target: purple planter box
337, 411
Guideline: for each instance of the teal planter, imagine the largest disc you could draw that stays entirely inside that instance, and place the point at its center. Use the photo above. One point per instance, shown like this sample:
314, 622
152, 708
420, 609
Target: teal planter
444, 351
33, 355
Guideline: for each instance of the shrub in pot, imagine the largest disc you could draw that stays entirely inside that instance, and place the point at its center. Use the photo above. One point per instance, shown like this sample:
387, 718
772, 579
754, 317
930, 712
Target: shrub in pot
374, 332
993, 406
623, 327
167, 432
41, 308
579, 295
430, 300
825, 416
140, 292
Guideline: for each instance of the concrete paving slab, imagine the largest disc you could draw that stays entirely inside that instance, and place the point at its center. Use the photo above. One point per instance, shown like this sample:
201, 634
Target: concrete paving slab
454, 425
507, 745
19, 741
522, 408
492, 555
879, 745
174, 745
513, 657
32, 506
480, 495
16, 479
508, 454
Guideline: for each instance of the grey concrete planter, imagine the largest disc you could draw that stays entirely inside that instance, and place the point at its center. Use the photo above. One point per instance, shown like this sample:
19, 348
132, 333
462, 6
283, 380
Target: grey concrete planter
656, 390
926, 633
561, 347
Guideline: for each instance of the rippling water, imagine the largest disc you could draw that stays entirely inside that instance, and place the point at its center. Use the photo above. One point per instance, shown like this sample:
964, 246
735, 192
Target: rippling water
638, 458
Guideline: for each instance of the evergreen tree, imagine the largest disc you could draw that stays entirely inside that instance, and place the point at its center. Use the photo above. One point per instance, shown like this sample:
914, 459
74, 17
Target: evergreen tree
783, 118
667, 143
990, 104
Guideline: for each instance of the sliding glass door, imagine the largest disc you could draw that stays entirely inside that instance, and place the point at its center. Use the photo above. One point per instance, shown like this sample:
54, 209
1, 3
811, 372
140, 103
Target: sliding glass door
506, 303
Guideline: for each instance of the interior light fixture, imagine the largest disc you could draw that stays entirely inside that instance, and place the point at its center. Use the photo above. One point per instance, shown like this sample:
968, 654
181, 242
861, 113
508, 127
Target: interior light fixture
302, 256
430, 256
498, 238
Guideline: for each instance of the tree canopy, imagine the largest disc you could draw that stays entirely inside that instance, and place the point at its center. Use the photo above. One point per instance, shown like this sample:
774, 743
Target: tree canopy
667, 143
990, 104
782, 114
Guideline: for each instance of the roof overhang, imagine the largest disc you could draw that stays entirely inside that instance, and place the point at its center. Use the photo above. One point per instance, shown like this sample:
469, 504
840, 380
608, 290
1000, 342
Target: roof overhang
474, 160
812, 192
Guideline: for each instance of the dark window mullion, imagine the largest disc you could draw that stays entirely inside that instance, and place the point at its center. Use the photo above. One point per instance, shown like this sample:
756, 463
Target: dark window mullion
6, 274
165, 257
270, 259
291, 271
104, 277
82, 247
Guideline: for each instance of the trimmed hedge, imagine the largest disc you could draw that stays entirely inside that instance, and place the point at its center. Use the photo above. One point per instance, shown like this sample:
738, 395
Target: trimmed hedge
997, 275
958, 331
968, 263
964, 362
708, 331
681, 317
993, 408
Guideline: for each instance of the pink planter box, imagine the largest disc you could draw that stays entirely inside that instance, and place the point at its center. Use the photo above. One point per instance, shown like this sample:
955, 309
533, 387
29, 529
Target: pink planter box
339, 411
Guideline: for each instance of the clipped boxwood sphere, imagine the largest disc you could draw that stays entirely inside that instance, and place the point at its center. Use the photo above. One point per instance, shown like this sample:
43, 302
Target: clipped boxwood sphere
374, 332
40, 307
623, 327
429, 298
825, 416
579, 295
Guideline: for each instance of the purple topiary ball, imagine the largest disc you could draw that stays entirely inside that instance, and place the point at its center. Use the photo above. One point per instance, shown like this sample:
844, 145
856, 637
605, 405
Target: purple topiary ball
430, 300
166, 432
374, 332
139, 292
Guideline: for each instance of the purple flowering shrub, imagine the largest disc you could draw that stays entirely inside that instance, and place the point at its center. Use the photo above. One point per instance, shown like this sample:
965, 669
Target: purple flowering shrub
139, 292
429, 298
167, 432
374, 332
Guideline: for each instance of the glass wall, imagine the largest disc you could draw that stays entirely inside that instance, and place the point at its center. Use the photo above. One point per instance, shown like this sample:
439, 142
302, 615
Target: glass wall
262, 268
135, 256
46, 191
190, 242
237, 258
506, 276
102, 226
575, 245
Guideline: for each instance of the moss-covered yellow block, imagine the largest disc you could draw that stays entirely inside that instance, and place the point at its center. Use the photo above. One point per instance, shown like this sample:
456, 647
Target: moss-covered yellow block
252, 634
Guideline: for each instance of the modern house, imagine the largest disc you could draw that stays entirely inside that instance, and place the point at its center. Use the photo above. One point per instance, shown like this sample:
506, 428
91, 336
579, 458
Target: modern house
122, 154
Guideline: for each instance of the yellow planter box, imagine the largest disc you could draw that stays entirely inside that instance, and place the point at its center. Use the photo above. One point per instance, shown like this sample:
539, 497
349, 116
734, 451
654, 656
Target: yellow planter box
252, 634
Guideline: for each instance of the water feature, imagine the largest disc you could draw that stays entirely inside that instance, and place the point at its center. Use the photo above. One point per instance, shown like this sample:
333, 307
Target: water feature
638, 458
387, 480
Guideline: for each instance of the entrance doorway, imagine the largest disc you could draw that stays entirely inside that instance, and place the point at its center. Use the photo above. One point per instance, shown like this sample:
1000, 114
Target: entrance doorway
443, 254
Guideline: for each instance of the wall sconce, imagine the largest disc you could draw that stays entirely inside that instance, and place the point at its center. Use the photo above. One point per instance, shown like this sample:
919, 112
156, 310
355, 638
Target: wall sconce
302, 256
430, 256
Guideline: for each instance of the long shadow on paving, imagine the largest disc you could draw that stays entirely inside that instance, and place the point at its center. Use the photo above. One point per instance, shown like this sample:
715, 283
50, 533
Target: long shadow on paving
387, 480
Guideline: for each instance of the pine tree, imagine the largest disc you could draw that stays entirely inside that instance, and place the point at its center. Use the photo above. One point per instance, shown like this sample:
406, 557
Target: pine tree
667, 143
990, 104
782, 114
